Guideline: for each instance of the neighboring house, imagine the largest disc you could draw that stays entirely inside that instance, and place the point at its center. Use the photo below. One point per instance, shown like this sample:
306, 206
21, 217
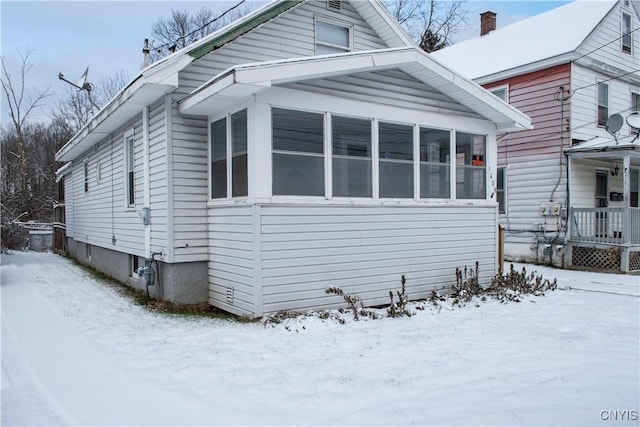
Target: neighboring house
568, 189
309, 144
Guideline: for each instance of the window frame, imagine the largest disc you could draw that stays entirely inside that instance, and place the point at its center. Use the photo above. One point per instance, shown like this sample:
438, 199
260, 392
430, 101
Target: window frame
625, 33
600, 84
504, 88
370, 158
85, 175
446, 164
634, 107
336, 23
229, 146
465, 169
502, 207
129, 143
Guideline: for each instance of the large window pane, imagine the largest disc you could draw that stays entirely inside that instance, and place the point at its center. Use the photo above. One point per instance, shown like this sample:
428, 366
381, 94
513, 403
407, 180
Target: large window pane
298, 153
239, 186
351, 140
219, 159
396, 160
298, 175
470, 166
434, 163
335, 36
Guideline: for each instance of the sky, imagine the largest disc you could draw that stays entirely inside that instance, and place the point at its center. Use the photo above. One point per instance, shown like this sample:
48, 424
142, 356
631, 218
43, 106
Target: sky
108, 36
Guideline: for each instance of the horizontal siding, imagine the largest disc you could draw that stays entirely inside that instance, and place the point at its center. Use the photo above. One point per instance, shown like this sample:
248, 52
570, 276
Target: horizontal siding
231, 258
365, 250
68, 201
290, 35
190, 186
158, 177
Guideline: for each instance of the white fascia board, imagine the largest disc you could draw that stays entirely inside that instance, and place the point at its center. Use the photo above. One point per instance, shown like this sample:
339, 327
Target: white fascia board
385, 15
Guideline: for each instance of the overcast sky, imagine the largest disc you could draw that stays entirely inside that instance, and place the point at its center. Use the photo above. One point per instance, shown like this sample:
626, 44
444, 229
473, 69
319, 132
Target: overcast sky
108, 36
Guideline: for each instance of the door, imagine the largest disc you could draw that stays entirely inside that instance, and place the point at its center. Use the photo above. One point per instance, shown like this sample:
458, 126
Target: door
602, 201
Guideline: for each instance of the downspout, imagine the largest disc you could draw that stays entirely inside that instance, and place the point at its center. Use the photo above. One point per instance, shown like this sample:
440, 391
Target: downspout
146, 215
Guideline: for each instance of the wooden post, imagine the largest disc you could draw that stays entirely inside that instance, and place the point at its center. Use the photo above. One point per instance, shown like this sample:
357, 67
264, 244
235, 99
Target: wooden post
500, 248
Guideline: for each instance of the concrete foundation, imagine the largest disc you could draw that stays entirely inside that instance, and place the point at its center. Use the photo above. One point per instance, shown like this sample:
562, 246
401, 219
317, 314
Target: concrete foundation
180, 283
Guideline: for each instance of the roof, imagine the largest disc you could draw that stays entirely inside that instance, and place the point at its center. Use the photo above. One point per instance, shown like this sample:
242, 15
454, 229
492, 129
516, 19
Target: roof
550, 38
245, 80
607, 147
162, 76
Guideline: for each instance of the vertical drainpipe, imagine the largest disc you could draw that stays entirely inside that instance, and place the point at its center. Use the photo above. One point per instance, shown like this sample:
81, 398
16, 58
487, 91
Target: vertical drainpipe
147, 183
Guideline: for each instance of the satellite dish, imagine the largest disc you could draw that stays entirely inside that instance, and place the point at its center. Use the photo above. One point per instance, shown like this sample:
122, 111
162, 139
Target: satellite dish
614, 124
633, 120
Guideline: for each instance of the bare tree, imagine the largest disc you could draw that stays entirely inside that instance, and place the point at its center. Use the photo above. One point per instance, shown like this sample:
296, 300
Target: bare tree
22, 104
431, 23
182, 28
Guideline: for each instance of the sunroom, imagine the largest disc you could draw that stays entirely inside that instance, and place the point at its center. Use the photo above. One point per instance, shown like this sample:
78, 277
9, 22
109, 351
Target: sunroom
604, 214
347, 170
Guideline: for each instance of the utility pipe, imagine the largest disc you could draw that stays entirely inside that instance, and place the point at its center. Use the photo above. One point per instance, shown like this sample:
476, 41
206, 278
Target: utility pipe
147, 182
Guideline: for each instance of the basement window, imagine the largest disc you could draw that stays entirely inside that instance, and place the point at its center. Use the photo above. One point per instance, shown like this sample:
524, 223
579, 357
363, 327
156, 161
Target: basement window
332, 37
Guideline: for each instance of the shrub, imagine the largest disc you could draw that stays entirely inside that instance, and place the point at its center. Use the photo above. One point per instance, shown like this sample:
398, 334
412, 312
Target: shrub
397, 309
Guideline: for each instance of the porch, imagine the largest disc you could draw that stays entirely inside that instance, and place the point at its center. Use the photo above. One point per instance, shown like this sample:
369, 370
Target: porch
604, 239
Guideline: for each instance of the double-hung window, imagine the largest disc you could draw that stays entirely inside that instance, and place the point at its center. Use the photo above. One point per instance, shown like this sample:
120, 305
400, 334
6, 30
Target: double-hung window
298, 153
229, 156
434, 163
470, 166
130, 168
395, 145
351, 159
627, 35
603, 103
332, 37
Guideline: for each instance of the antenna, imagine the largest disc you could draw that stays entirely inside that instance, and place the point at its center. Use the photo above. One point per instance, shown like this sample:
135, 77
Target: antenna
614, 124
81, 84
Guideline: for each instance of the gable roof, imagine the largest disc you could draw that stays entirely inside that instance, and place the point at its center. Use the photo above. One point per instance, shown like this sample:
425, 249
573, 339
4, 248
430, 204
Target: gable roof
550, 38
244, 80
162, 76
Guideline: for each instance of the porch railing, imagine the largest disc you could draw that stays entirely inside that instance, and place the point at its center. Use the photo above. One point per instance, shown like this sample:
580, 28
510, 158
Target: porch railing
605, 225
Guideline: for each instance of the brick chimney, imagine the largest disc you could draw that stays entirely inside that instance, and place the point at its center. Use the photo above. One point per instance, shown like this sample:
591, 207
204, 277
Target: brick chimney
487, 22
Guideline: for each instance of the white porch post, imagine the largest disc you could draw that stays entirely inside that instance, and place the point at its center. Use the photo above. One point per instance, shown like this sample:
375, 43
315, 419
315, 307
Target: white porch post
626, 217
569, 207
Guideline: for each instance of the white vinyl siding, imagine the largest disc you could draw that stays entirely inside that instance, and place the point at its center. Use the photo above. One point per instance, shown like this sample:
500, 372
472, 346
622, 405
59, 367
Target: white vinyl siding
290, 35
279, 257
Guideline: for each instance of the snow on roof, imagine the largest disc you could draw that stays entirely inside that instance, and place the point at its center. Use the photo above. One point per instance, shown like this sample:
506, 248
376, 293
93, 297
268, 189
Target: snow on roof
548, 35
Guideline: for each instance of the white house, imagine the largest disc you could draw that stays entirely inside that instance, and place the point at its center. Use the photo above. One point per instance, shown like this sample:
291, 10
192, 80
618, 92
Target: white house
309, 144
569, 187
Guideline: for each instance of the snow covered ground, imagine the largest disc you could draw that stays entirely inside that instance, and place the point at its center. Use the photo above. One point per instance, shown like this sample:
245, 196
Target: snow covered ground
75, 352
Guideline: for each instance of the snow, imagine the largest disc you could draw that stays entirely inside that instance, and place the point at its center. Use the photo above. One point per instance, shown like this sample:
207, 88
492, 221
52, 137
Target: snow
548, 35
76, 352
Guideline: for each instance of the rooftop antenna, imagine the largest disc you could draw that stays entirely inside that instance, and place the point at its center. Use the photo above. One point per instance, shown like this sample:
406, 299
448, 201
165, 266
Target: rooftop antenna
81, 84
614, 124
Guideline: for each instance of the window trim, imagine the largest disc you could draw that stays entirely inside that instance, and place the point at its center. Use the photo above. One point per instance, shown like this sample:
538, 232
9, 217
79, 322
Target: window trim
129, 180
372, 159
337, 23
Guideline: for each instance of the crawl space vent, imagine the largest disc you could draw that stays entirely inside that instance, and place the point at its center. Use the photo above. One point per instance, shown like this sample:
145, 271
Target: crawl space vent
334, 5
230, 295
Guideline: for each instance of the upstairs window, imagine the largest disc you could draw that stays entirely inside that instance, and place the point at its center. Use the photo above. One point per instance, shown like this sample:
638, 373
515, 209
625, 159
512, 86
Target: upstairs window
635, 107
396, 160
130, 169
501, 92
603, 104
470, 166
626, 33
332, 37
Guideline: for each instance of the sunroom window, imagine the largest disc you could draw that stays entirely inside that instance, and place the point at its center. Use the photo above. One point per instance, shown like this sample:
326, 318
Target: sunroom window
396, 160
332, 37
351, 142
470, 166
434, 163
298, 153
229, 156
